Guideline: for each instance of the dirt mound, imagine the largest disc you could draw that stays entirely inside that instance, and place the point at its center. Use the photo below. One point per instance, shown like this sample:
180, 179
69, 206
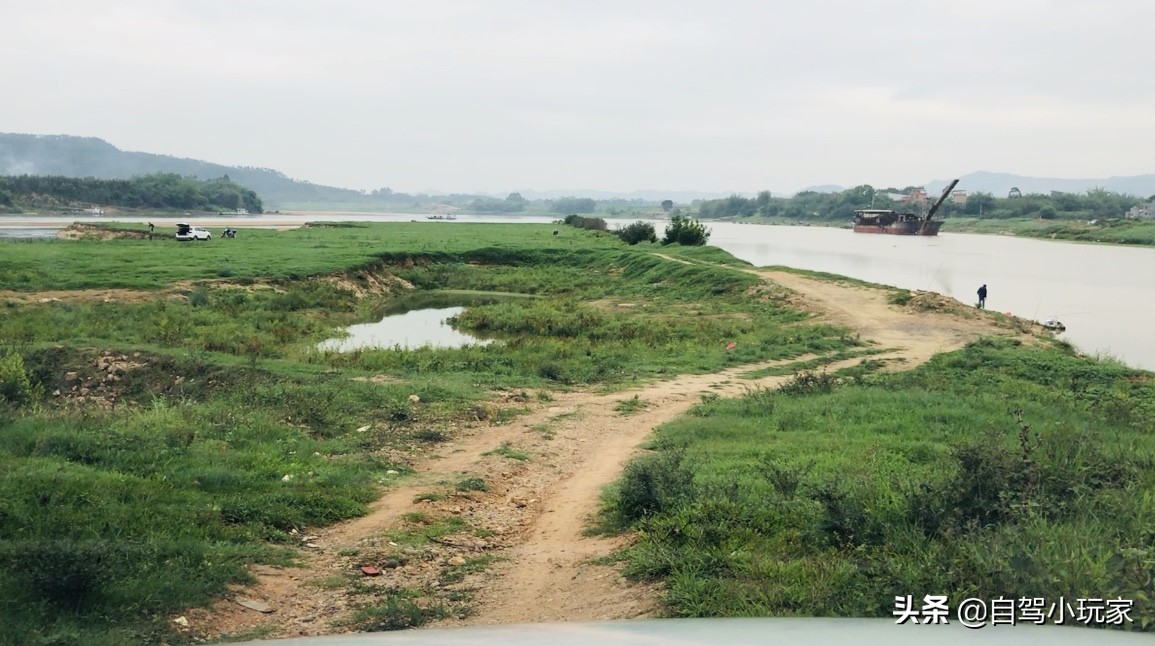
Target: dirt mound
97, 382
84, 231
367, 283
921, 301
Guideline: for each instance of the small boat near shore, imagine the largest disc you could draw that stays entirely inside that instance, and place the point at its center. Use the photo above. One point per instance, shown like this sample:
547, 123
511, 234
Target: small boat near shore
903, 224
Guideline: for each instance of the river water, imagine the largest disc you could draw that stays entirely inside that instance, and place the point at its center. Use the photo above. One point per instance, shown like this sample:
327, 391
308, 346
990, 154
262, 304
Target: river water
1104, 294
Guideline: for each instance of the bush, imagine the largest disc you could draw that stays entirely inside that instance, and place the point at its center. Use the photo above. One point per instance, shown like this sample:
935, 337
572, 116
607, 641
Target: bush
15, 388
638, 232
686, 231
594, 224
654, 484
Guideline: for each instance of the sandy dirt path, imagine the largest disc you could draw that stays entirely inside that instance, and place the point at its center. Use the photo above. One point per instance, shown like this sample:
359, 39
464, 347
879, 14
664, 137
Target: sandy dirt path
537, 563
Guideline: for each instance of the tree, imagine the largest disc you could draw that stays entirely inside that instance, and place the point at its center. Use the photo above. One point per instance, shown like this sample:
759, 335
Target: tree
667, 205
637, 232
979, 203
686, 231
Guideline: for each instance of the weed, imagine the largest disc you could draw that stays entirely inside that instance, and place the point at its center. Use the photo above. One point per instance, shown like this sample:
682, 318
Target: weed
472, 484
506, 450
631, 405
429, 497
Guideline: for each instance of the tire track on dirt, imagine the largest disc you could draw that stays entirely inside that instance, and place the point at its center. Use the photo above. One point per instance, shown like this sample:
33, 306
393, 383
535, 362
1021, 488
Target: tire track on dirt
536, 510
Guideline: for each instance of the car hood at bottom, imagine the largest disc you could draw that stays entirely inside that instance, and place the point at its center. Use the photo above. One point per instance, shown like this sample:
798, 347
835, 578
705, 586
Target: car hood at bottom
786, 631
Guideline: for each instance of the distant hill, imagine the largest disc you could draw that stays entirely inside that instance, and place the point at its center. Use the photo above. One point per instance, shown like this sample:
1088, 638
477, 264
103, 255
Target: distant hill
999, 184
22, 154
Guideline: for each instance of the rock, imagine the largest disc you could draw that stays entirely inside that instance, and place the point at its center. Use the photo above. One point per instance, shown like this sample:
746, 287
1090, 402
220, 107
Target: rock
70, 376
414, 399
456, 560
181, 621
308, 618
364, 428
287, 477
313, 546
253, 604
84, 392
369, 570
390, 564
391, 472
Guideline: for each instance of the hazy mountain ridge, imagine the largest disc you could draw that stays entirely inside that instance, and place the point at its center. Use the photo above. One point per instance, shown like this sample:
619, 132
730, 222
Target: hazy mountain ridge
73, 156
70, 156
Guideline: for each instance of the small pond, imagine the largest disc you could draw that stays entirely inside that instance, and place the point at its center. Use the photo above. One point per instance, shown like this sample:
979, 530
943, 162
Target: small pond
416, 321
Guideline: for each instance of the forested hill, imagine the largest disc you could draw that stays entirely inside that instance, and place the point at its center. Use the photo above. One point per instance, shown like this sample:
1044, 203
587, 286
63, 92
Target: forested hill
68, 156
163, 191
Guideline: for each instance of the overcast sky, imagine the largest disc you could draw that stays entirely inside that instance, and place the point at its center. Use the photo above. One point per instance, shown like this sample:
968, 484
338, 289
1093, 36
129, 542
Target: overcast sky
617, 95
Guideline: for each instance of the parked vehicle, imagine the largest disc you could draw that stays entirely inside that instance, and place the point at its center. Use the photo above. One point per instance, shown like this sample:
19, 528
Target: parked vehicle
185, 231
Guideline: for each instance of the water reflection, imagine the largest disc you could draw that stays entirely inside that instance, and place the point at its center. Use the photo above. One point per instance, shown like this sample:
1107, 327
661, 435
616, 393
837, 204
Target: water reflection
410, 329
418, 320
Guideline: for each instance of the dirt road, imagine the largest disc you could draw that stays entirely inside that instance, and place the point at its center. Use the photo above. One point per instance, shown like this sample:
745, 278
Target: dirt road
524, 557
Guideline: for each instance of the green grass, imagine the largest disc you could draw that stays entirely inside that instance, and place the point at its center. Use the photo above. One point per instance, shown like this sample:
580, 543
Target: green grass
994, 470
169, 477
506, 450
631, 405
1118, 231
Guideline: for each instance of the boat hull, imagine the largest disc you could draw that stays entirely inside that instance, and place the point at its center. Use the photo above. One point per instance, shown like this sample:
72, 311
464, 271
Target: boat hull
901, 228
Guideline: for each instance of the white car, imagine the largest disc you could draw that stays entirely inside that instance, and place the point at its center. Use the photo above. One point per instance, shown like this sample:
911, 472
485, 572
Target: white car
185, 231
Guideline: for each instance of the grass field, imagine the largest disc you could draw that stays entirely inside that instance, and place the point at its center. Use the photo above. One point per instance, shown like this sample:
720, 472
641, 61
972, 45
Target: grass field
1131, 232
159, 440
996, 470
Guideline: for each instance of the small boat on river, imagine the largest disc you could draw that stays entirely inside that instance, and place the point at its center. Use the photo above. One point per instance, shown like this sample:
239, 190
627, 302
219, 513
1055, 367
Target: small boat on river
903, 224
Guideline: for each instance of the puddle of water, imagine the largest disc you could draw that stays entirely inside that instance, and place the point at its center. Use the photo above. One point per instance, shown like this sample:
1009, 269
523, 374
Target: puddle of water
416, 321
412, 329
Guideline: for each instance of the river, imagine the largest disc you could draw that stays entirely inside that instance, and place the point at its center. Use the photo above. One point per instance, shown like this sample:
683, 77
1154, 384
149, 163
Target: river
1102, 293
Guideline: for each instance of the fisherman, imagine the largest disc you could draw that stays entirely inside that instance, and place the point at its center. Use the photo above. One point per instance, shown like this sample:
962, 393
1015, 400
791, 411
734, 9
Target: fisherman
983, 296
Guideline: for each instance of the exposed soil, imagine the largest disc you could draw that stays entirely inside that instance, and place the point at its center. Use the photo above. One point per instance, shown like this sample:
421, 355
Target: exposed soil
79, 230
519, 554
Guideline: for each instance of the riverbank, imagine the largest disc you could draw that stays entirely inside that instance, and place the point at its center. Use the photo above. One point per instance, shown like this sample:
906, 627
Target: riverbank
383, 489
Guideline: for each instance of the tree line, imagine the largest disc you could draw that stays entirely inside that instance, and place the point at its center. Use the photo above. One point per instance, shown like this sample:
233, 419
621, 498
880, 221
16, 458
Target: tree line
155, 191
840, 206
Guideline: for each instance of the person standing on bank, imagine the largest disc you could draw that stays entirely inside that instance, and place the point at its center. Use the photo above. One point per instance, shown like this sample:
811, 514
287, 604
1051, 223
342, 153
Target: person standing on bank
983, 297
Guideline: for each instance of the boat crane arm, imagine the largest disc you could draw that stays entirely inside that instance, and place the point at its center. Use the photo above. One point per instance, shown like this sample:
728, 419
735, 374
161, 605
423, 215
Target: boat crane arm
941, 198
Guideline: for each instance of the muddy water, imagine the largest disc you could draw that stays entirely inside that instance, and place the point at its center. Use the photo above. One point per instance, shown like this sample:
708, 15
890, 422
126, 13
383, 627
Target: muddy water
1105, 295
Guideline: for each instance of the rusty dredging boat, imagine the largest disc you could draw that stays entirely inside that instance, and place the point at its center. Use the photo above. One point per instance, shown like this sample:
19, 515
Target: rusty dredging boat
903, 224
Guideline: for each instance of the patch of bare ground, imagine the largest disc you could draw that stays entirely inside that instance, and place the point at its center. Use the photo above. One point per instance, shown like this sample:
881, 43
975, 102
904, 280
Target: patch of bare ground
516, 552
362, 284
81, 230
75, 295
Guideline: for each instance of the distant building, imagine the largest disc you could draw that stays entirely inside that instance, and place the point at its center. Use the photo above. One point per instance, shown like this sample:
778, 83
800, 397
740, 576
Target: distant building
1141, 212
958, 197
915, 196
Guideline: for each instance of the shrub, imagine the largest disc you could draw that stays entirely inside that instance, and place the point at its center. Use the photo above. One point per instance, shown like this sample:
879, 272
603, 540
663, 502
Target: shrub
595, 224
653, 484
686, 231
15, 388
637, 232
